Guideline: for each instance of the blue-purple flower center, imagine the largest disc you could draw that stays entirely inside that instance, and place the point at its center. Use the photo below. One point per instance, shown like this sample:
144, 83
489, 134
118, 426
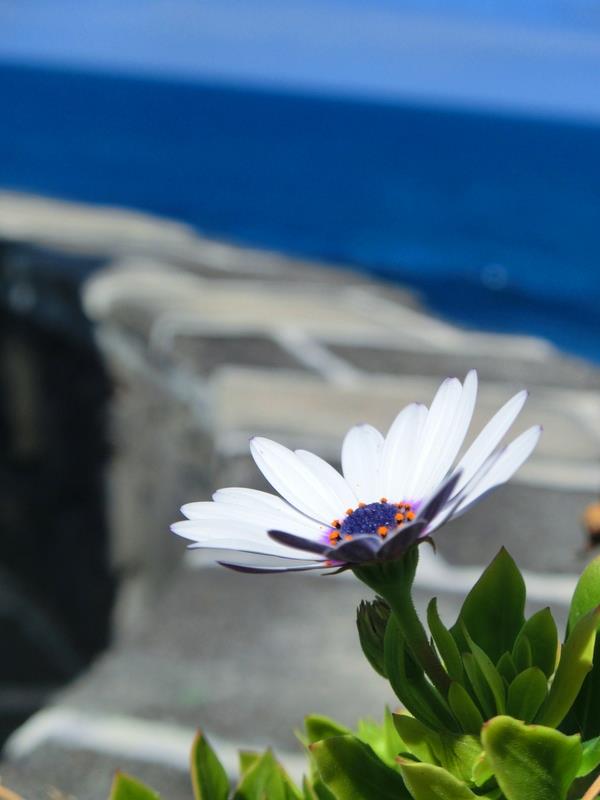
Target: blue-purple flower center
377, 519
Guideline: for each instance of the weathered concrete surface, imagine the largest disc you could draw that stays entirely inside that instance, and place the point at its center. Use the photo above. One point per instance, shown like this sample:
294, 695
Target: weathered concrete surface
207, 345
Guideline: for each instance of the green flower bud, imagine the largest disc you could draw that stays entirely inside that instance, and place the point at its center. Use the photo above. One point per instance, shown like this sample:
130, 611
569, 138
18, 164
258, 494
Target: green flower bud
371, 620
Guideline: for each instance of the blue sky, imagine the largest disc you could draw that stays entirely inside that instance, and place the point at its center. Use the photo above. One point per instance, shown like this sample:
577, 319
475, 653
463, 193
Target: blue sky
542, 57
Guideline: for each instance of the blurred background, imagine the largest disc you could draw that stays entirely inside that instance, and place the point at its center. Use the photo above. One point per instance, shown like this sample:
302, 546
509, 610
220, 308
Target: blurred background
227, 218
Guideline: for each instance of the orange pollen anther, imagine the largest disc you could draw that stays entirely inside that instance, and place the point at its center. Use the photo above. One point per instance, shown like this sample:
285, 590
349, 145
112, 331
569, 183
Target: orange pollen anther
334, 537
362, 505
347, 537
399, 517
383, 500
410, 515
382, 531
349, 511
336, 524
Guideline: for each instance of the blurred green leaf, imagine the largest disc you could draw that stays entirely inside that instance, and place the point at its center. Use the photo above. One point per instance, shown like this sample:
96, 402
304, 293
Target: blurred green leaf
124, 787
428, 782
493, 625
464, 709
316, 790
586, 709
247, 759
590, 758
266, 779
320, 727
522, 654
480, 686
526, 694
490, 674
506, 667
209, 779
384, 739
446, 646
575, 663
456, 753
410, 685
482, 771
542, 635
351, 771
531, 761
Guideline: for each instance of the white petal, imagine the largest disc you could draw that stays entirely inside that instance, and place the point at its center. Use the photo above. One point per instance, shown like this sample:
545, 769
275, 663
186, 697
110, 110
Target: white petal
253, 499
490, 437
452, 438
294, 480
330, 478
435, 431
399, 451
361, 454
221, 534
264, 519
517, 452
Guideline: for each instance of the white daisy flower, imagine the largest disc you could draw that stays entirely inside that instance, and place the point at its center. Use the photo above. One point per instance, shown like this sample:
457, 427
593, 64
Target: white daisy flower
394, 492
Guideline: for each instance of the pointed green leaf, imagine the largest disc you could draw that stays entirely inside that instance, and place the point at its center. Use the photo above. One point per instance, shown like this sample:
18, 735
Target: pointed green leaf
384, 739
464, 709
530, 761
410, 685
526, 694
320, 727
506, 667
124, 787
482, 771
418, 739
266, 779
489, 672
209, 779
542, 635
586, 709
575, 663
493, 625
446, 646
352, 771
481, 689
247, 759
428, 782
590, 758
522, 654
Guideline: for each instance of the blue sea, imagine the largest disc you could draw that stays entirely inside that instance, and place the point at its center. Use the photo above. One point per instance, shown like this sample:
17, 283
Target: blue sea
493, 218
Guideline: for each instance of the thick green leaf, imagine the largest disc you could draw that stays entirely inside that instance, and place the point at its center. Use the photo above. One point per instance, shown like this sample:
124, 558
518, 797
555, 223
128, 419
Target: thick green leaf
526, 694
506, 667
124, 787
492, 624
209, 779
575, 663
482, 771
351, 771
266, 779
320, 727
590, 758
586, 709
428, 782
531, 761
490, 673
480, 686
464, 709
316, 790
410, 685
446, 646
542, 635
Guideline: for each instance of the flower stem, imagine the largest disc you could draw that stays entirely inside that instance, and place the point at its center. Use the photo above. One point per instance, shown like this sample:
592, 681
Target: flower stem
594, 790
393, 581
